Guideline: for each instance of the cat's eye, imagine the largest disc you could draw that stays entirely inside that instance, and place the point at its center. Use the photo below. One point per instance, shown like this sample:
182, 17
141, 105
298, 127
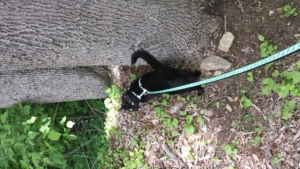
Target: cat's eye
130, 109
132, 103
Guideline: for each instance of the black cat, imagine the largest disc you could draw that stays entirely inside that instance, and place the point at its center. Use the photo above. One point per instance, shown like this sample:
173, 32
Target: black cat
163, 77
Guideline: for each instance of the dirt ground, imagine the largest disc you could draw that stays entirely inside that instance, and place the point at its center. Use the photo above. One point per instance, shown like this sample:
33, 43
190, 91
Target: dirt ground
245, 19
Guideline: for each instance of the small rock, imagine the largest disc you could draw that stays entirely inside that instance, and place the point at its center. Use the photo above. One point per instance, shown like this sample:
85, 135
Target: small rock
226, 42
271, 12
279, 10
217, 73
215, 63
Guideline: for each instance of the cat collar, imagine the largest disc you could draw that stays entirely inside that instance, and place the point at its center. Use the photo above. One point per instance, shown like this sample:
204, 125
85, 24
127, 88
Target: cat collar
143, 93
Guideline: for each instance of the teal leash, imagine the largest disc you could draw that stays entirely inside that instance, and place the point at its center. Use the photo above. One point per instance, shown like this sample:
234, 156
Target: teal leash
259, 63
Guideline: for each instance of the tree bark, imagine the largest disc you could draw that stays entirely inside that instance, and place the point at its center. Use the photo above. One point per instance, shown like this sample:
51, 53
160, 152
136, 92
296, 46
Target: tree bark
52, 85
39, 36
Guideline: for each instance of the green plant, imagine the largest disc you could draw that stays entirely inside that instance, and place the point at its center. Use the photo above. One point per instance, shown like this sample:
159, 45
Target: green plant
135, 158
200, 121
235, 142
245, 102
181, 113
243, 91
288, 108
216, 160
288, 86
289, 10
255, 141
246, 117
258, 131
32, 139
250, 77
265, 48
237, 125
112, 102
169, 124
277, 158
132, 77
230, 167
217, 104
229, 149
188, 127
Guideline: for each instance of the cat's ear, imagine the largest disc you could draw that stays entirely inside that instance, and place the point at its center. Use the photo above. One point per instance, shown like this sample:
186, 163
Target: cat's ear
127, 99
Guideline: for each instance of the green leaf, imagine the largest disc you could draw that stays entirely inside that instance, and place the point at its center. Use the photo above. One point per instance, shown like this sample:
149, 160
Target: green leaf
200, 121
275, 73
164, 102
261, 38
286, 113
291, 105
276, 88
26, 109
175, 122
189, 119
63, 120
32, 134
217, 104
245, 102
108, 103
6, 127
21, 138
71, 137
258, 131
133, 76
53, 135
4, 117
24, 165
268, 81
286, 14
279, 155
131, 153
275, 160
283, 91
35, 156
263, 53
174, 133
269, 48
30, 121
46, 160
107, 90
189, 129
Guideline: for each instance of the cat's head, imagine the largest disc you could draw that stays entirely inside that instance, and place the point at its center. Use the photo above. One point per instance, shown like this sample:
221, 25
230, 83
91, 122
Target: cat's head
130, 102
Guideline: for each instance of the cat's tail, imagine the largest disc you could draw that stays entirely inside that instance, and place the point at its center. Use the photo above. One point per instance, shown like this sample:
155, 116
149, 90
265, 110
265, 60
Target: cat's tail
151, 60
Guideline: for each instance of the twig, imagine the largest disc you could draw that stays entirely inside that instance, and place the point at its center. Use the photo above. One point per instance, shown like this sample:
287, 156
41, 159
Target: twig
241, 6
177, 161
225, 23
253, 105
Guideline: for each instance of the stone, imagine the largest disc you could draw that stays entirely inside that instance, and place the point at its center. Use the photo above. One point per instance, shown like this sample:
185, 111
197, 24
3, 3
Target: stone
226, 42
215, 63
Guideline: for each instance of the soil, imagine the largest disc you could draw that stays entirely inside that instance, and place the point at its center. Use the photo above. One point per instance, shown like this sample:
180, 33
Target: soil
245, 19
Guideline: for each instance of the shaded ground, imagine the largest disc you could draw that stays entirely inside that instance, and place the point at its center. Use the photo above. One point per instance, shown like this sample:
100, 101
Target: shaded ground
245, 19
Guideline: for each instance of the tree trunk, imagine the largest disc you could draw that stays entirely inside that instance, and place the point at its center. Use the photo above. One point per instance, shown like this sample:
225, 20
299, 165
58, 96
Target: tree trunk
52, 85
55, 39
